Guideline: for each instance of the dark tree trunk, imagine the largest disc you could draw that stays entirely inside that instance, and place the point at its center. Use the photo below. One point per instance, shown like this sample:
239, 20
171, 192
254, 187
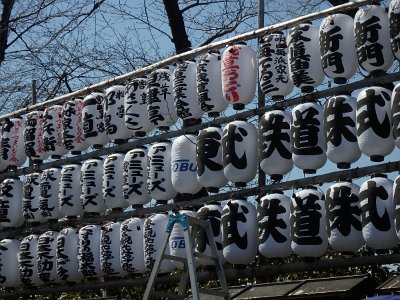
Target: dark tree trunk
4, 26
177, 25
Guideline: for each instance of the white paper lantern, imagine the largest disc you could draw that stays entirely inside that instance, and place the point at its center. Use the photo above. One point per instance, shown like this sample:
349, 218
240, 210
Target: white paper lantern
343, 217
273, 69
110, 259
305, 69
114, 114
209, 82
337, 47
371, 33
374, 122
396, 204
47, 257
308, 223
160, 99
135, 101
31, 198
112, 181
377, 213
52, 134
89, 251
132, 250
48, 200
11, 203
92, 186
185, 92
177, 245
274, 144
239, 75
212, 213
93, 123
155, 227
67, 255
33, 136
394, 29
239, 232
135, 177
159, 181
72, 133
340, 131
210, 171
9, 266
27, 258
395, 109
12, 142
308, 143
273, 216
183, 165
239, 152
69, 193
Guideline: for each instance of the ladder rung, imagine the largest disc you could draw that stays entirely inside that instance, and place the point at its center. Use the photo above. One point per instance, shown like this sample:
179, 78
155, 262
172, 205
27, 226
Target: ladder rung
177, 258
214, 293
168, 295
204, 256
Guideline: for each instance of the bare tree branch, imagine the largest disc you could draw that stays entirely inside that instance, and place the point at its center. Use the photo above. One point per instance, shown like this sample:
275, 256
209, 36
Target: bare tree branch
4, 26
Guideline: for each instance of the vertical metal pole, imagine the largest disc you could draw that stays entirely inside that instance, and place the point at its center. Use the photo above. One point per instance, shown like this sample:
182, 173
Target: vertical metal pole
261, 96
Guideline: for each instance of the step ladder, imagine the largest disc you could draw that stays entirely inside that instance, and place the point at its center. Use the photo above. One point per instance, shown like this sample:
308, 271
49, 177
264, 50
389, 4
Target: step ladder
189, 225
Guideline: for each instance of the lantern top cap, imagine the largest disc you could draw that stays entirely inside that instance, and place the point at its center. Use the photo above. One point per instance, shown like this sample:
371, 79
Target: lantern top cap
379, 175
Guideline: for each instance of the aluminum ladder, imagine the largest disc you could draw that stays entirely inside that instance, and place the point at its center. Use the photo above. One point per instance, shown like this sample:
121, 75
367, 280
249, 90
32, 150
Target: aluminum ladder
189, 224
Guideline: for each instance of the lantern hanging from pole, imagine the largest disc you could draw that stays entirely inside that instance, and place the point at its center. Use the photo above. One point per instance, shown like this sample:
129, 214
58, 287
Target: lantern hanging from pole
274, 144
343, 217
308, 143
183, 165
67, 255
274, 225
135, 101
374, 122
239, 152
93, 123
31, 198
154, 231
132, 248
89, 251
185, 92
337, 47
27, 258
160, 99
72, 133
9, 266
209, 83
114, 114
340, 131
239, 75
12, 142
112, 181
305, 69
110, 259
308, 223
47, 257
239, 232
396, 204
377, 213
212, 213
159, 181
33, 136
371, 33
394, 29
395, 109
11, 203
52, 134
48, 200
92, 186
210, 171
69, 193
135, 177
273, 69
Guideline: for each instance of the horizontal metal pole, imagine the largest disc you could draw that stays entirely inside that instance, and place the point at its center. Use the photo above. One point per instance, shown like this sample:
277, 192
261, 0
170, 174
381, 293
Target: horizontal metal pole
219, 121
189, 54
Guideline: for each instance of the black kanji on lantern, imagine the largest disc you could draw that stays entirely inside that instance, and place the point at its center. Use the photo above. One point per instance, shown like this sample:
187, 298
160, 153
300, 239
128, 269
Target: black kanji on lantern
394, 29
214, 217
273, 135
269, 221
229, 140
329, 45
207, 148
230, 219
